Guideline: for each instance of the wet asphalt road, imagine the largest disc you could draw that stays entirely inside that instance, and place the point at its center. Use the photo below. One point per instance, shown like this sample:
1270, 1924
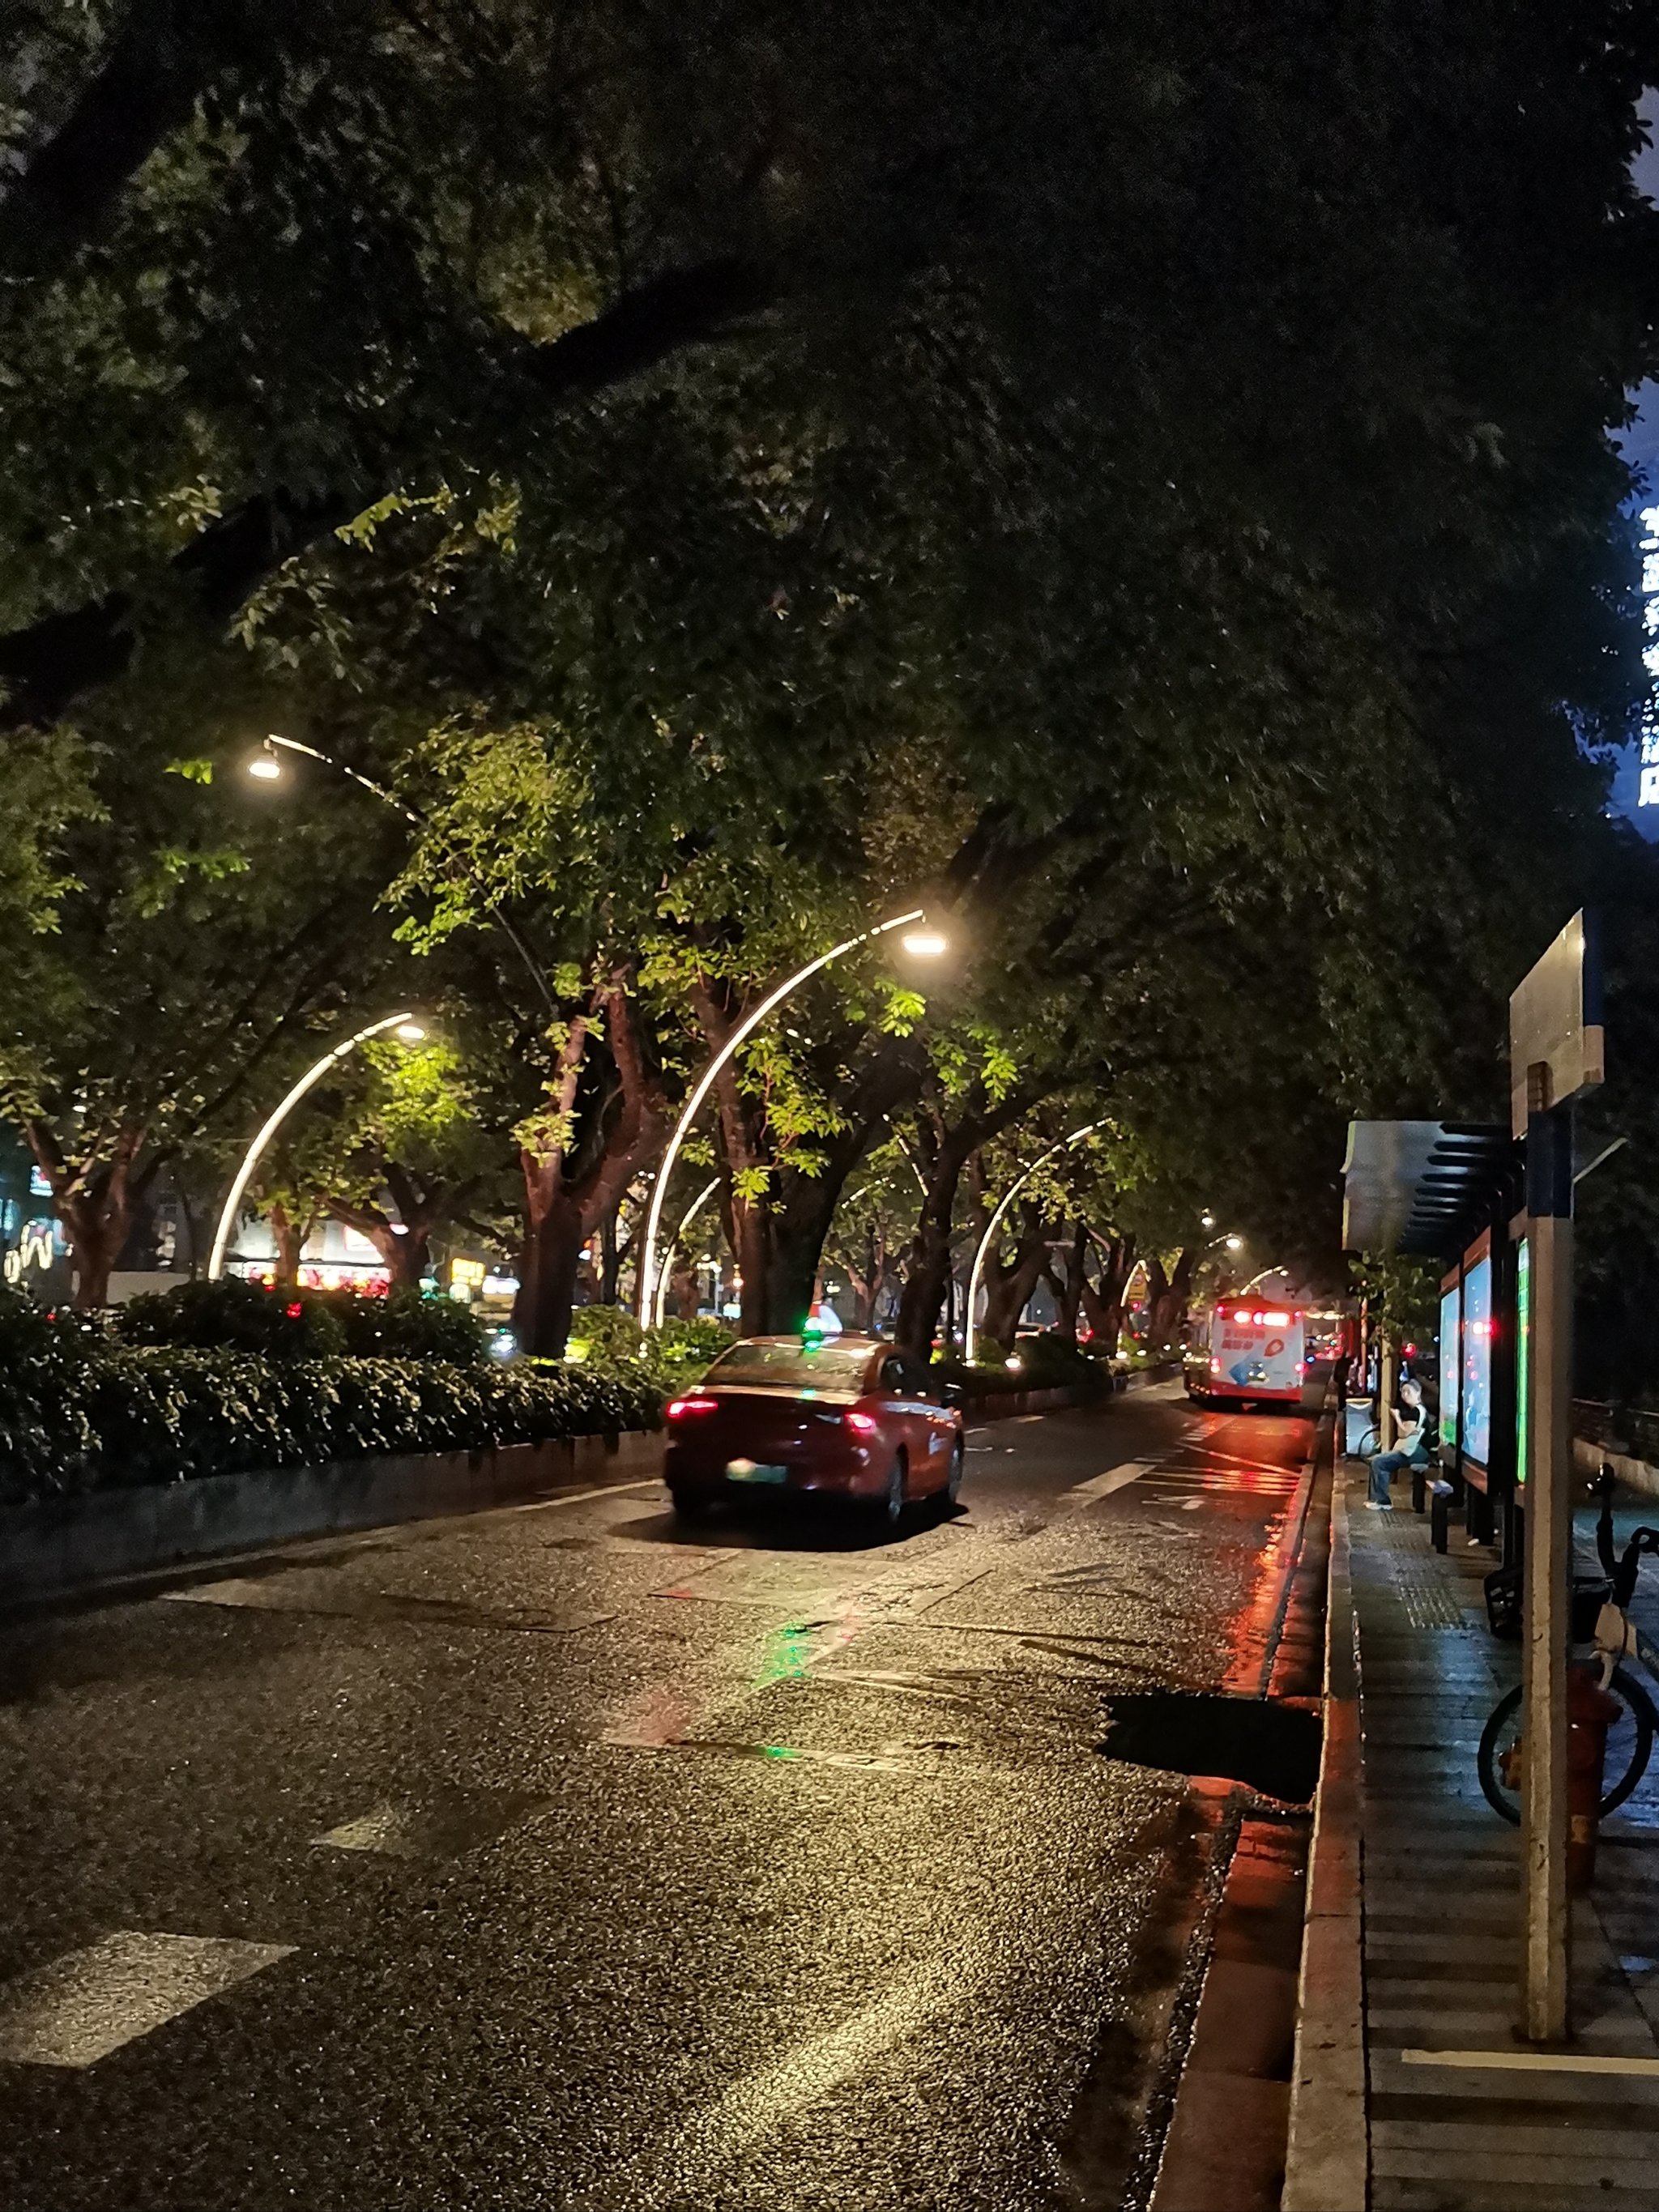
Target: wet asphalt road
600, 1863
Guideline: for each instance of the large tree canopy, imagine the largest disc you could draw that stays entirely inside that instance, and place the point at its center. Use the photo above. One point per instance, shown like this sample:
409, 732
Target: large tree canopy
1138, 484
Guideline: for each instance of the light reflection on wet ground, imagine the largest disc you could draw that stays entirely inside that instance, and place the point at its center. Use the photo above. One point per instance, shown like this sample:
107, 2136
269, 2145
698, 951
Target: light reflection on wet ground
786, 1872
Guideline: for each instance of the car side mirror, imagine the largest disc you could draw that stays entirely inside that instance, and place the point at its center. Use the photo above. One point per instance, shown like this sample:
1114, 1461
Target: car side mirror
952, 1393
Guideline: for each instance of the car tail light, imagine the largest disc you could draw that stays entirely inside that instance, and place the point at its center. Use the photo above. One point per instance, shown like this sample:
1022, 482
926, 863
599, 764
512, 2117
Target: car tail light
865, 1423
682, 1409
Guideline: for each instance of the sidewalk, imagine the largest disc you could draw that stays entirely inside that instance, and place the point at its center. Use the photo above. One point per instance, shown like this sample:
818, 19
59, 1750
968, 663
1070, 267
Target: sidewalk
1508, 2129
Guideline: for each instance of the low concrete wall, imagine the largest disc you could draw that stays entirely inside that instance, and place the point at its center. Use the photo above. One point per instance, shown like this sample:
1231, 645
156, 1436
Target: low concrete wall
57, 1546
1635, 1473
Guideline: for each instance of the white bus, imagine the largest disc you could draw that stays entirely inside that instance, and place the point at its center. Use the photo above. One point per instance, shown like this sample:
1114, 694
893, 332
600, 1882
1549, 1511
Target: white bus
1256, 1355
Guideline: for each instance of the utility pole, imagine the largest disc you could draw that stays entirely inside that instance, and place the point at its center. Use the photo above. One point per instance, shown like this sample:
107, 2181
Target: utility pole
1555, 1053
1548, 1565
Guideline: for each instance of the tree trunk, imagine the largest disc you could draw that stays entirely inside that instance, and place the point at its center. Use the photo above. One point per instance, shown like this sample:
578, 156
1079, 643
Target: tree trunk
550, 1260
1104, 1304
94, 1205
1008, 1290
405, 1248
564, 1204
1167, 1302
609, 1257
929, 1271
1068, 1286
290, 1237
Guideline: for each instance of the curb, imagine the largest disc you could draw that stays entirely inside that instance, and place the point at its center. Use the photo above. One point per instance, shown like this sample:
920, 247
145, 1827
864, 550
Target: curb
1327, 2157
62, 1546
1225, 2142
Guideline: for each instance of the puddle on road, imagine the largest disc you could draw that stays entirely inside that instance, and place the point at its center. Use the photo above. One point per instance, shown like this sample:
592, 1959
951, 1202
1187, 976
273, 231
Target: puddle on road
1271, 1748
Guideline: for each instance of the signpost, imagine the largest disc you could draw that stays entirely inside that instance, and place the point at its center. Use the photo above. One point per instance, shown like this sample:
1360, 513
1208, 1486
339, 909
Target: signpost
1555, 1055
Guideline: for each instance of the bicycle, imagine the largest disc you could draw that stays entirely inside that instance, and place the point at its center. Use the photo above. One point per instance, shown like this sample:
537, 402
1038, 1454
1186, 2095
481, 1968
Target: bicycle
1600, 1618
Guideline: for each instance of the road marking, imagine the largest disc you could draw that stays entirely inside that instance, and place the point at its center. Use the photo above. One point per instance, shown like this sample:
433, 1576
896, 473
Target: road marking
757, 2105
1192, 1506
581, 1496
1231, 1459
1534, 2061
441, 1828
1116, 1477
78, 2008
285, 1593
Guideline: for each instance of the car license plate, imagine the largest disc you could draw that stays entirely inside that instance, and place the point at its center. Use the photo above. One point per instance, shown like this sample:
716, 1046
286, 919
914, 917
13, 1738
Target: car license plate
747, 1470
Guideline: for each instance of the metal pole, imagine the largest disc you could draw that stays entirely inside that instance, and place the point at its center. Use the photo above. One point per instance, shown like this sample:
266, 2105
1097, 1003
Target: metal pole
250, 1157
1008, 1198
1388, 1378
647, 1279
1546, 1928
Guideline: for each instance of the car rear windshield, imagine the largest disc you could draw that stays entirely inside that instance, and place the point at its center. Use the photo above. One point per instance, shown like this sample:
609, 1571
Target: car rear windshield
793, 1366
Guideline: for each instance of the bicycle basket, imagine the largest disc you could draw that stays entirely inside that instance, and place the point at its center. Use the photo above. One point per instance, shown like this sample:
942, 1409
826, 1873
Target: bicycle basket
1502, 1588
1504, 1612
1589, 1594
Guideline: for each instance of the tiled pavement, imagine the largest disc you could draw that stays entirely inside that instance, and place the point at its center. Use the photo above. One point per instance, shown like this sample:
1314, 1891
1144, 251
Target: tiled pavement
1441, 1881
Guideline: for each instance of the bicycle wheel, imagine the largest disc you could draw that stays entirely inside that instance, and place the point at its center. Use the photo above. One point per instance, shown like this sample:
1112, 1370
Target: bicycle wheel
1629, 1747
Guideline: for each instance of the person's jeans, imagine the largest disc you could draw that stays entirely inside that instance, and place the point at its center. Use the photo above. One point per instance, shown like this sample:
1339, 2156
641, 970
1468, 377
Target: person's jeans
1384, 1467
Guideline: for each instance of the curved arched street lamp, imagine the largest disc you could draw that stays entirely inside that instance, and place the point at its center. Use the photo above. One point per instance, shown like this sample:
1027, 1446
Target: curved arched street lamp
266, 766
1008, 1198
696, 1207
922, 944
407, 1028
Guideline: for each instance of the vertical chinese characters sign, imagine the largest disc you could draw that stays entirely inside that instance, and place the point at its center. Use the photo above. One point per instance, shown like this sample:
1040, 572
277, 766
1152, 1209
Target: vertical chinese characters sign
1648, 790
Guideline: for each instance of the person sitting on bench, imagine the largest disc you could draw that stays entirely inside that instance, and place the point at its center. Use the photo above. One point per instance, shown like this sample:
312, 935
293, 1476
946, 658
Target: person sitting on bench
1411, 1448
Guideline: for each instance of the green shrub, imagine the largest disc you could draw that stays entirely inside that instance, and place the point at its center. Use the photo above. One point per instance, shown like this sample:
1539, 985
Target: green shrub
408, 1324
81, 1411
686, 1343
1052, 1361
609, 1338
231, 1315
47, 1441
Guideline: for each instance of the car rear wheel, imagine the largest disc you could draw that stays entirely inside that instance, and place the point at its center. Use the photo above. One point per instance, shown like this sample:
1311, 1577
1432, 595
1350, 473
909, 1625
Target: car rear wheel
952, 1489
893, 1500
689, 1505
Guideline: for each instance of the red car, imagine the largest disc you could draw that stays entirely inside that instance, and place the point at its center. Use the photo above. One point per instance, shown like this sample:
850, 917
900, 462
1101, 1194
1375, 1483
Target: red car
845, 1416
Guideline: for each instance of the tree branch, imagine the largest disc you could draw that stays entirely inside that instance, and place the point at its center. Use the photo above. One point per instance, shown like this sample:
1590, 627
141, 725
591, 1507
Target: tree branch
49, 664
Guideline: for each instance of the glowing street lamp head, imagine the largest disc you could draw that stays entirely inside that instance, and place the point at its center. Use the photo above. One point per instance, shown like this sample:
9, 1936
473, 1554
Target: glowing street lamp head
1235, 1243
266, 766
925, 944
410, 1033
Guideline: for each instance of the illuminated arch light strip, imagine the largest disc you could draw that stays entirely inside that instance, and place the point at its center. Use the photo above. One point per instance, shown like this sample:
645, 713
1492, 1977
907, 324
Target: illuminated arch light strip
250, 1157
745, 1028
696, 1207
1009, 1196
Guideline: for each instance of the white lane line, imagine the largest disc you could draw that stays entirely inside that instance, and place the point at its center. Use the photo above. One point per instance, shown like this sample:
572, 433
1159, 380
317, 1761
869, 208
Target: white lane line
1193, 1505
1116, 1478
758, 2104
1231, 1459
1534, 2061
440, 1826
78, 2008
581, 1496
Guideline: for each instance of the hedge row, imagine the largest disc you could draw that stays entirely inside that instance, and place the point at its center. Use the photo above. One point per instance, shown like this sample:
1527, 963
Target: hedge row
90, 1416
